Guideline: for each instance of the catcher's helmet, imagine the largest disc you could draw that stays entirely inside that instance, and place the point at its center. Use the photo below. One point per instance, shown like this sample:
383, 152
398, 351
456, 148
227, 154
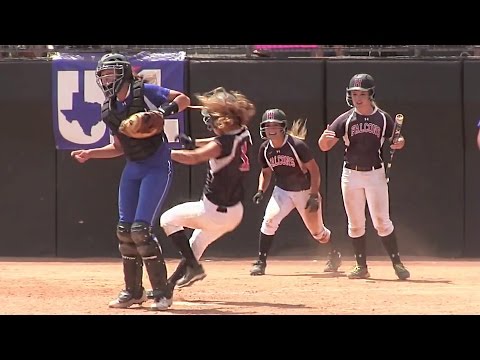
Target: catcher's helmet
122, 72
275, 116
362, 82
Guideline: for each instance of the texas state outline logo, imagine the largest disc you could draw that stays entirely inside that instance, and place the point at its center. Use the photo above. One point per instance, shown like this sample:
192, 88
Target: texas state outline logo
77, 103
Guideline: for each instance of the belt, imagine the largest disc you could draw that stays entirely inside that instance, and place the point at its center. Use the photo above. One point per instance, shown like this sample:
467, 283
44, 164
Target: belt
362, 168
222, 209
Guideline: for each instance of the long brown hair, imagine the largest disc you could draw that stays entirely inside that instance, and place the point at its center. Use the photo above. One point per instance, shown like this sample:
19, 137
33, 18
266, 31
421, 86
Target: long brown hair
228, 109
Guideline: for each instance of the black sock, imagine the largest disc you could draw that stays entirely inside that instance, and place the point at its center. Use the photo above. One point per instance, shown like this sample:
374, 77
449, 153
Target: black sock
264, 245
181, 242
178, 273
390, 244
332, 249
360, 250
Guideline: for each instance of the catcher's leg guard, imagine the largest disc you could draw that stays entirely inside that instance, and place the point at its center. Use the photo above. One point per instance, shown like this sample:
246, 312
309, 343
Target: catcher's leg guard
151, 254
132, 262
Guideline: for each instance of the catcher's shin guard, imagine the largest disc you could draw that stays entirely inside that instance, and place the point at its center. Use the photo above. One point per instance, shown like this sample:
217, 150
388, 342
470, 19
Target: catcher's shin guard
132, 262
151, 254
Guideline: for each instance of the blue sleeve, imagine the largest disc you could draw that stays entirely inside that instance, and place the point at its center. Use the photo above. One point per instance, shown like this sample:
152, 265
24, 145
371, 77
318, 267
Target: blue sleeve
478, 124
158, 95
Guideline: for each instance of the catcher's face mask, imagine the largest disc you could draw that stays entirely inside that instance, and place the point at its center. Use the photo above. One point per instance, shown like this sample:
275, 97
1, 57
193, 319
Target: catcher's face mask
113, 70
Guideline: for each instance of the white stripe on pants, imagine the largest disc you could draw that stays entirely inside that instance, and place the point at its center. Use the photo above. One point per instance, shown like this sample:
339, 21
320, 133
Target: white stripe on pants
359, 188
209, 224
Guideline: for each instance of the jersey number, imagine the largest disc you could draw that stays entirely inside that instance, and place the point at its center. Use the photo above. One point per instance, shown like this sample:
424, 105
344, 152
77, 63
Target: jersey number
245, 166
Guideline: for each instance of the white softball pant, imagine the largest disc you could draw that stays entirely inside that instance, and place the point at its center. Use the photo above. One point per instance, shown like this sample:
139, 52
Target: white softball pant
202, 216
360, 187
282, 202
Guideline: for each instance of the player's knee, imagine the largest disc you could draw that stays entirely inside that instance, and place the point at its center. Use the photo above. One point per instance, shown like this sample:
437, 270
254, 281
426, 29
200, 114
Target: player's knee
143, 238
126, 246
385, 228
124, 232
355, 232
141, 233
166, 223
269, 227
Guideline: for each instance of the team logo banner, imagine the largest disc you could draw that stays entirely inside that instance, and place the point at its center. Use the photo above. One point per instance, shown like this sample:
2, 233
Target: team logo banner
77, 99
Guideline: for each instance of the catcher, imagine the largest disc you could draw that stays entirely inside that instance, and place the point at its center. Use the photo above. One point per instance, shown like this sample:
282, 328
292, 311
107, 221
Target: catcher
134, 112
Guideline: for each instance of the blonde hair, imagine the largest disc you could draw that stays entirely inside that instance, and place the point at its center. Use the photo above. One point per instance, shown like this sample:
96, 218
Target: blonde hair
298, 129
229, 109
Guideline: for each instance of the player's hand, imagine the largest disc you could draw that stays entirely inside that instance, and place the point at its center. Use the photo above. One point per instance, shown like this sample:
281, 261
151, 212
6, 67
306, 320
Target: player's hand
399, 144
80, 155
328, 134
187, 141
258, 197
312, 203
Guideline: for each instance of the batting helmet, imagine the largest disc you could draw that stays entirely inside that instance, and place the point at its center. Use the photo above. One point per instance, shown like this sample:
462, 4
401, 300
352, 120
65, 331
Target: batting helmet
208, 120
363, 82
273, 116
111, 82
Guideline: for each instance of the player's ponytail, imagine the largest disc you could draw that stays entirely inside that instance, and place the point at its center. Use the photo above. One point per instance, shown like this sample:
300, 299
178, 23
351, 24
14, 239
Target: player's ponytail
298, 129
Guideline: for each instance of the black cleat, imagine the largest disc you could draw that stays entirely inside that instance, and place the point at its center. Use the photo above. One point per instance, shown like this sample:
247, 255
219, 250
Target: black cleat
258, 268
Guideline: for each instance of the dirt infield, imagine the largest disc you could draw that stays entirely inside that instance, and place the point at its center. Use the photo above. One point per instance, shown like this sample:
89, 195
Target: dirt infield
291, 286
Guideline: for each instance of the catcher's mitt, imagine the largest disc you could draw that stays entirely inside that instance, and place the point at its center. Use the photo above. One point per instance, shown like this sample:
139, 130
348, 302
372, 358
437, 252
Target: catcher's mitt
142, 124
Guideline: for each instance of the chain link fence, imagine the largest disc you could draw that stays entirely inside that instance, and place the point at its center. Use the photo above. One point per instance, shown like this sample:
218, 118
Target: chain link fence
244, 51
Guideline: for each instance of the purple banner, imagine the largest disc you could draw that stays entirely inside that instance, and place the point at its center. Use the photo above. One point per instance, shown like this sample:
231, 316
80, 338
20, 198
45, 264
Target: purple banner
77, 99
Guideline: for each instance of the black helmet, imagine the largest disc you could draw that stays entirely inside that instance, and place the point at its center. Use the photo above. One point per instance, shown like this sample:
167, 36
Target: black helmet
362, 82
122, 71
275, 116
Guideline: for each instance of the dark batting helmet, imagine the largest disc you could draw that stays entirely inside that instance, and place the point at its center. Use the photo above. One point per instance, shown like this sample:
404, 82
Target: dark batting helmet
273, 116
122, 72
363, 82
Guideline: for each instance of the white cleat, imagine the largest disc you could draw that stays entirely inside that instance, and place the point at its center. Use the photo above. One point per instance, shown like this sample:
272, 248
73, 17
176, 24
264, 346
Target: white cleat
125, 299
161, 304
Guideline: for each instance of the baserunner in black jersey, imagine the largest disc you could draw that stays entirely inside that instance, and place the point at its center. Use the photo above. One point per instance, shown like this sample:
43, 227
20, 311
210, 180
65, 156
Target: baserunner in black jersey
286, 155
220, 210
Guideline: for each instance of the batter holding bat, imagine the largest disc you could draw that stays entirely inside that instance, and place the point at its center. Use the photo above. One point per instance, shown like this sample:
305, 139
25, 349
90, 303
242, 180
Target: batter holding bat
364, 129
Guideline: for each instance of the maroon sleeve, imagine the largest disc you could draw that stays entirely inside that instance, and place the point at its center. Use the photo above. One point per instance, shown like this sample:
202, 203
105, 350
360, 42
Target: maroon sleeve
389, 126
338, 125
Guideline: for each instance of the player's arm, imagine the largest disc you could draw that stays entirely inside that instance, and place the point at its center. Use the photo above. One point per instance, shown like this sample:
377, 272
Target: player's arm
328, 139
178, 101
108, 151
168, 101
264, 179
199, 155
204, 141
478, 139
314, 171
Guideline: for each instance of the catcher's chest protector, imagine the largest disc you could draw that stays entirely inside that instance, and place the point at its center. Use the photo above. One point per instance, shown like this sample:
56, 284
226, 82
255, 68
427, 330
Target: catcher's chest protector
134, 149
